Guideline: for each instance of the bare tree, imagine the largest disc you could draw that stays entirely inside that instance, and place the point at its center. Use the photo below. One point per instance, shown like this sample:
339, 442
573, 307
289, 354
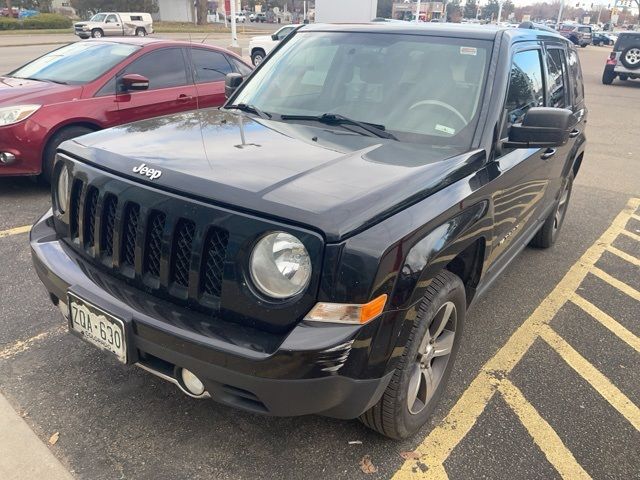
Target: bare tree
8, 2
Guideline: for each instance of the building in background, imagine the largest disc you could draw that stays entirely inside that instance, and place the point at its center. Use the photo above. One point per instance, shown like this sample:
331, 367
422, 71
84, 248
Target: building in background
407, 11
345, 11
175, 11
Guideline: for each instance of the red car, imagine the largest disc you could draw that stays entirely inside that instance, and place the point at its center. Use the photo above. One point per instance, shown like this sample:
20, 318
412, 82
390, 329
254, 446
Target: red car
95, 84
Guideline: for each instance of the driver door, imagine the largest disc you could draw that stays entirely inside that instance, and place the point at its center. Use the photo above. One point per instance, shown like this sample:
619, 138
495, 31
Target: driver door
112, 26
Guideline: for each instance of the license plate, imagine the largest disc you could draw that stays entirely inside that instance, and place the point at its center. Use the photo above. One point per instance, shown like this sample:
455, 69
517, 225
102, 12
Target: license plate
97, 327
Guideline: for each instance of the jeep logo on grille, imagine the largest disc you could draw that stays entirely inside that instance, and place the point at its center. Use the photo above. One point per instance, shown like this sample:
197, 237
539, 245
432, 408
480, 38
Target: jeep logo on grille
152, 173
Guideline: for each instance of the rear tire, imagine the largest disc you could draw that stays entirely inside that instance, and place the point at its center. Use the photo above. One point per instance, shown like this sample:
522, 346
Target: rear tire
141, 32
423, 370
60, 136
548, 233
608, 77
97, 33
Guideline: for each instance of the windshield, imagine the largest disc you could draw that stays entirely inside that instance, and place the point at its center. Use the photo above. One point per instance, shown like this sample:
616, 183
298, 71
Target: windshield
76, 63
98, 18
420, 88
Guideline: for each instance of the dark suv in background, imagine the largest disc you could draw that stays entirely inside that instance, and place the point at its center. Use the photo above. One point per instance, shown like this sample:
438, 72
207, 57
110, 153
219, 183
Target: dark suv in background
624, 60
314, 246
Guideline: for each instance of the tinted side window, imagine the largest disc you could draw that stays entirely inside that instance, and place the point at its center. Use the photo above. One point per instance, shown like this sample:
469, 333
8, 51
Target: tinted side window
241, 68
111, 19
164, 68
209, 66
576, 78
526, 87
557, 78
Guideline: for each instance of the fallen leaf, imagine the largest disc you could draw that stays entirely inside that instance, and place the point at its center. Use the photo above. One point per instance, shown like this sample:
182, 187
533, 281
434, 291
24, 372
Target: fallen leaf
410, 455
54, 438
366, 466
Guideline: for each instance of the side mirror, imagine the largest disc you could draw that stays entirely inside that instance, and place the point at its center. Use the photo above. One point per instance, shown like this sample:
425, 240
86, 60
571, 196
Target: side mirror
274, 37
133, 82
231, 82
542, 127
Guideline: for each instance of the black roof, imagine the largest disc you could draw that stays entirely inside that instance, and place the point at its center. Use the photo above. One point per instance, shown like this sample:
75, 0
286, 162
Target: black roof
463, 30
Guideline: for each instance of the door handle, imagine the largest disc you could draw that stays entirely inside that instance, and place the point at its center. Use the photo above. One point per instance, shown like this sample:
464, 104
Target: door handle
548, 153
184, 98
574, 133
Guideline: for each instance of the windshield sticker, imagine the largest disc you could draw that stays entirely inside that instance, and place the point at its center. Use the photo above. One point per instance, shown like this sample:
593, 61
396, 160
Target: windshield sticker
468, 51
444, 129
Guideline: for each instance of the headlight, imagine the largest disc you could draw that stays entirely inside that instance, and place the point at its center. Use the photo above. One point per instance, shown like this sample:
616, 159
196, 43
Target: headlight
63, 189
10, 115
280, 265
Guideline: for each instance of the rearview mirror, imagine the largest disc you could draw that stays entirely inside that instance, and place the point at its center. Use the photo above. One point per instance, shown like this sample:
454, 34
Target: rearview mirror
274, 37
231, 82
134, 82
542, 127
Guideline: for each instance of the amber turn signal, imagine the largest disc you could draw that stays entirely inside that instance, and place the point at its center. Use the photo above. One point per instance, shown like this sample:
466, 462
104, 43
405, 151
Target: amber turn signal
347, 313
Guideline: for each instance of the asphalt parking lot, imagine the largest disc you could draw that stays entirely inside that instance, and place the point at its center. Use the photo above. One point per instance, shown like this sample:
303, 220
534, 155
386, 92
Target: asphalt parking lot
547, 383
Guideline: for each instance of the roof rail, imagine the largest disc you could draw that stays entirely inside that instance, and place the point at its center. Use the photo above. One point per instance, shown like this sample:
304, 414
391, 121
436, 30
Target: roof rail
536, 26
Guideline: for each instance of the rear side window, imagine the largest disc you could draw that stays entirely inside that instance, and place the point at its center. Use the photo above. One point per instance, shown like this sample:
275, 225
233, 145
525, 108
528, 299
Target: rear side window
241, 68
209, 66
164, 68
577, 86
526, 85
557, 78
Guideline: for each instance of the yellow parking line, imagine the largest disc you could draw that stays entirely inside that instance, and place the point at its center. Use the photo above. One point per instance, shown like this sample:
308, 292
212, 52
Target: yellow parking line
542, 433
14, 231
24, 345
593, 376
637, 217
631, 235
607, 321
441, 441
624, 255
620, 285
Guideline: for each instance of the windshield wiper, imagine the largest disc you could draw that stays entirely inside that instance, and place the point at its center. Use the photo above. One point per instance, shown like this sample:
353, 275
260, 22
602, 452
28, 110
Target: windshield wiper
243, 107
337, 119
43, 80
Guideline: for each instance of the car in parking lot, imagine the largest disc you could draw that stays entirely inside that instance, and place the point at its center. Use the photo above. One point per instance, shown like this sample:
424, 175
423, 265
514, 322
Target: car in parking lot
87, 86
313, 246
600, 38
261, 45
579, 34
110, 24
624, 60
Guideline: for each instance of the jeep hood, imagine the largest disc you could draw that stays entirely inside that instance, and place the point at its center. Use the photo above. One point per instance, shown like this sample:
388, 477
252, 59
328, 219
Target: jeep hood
326, 178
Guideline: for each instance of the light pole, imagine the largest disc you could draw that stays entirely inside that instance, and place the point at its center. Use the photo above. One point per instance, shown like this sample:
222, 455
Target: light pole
418, 12
560, 15
234, 33
499, 12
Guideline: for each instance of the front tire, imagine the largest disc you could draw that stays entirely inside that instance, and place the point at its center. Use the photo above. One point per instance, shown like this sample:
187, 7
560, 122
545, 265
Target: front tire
257, 57
424, 368
97, 33
548, 233
62, 135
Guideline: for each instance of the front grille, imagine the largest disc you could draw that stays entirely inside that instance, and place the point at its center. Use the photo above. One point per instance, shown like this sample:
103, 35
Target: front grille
182, 246
129, 233
160, 251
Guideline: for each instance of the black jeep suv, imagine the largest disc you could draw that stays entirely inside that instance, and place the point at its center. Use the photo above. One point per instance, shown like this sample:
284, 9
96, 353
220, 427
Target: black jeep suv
314, 245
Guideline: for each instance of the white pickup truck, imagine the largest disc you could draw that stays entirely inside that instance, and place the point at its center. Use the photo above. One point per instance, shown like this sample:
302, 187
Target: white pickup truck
261, 45
109, 24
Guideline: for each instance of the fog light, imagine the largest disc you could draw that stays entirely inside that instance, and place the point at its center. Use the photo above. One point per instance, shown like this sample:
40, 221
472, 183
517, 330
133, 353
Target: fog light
7, 158
192, 383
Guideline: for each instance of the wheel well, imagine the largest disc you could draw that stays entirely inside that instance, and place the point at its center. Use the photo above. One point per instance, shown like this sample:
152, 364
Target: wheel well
577, 164
468, 266
257, 49
53, 133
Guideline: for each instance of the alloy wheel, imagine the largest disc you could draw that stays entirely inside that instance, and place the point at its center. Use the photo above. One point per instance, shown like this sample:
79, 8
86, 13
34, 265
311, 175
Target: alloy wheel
561, 209
432, 358
633, 56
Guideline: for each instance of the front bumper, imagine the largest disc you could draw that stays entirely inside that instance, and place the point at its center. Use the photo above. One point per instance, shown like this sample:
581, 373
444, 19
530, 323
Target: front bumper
23, 140
304, 372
